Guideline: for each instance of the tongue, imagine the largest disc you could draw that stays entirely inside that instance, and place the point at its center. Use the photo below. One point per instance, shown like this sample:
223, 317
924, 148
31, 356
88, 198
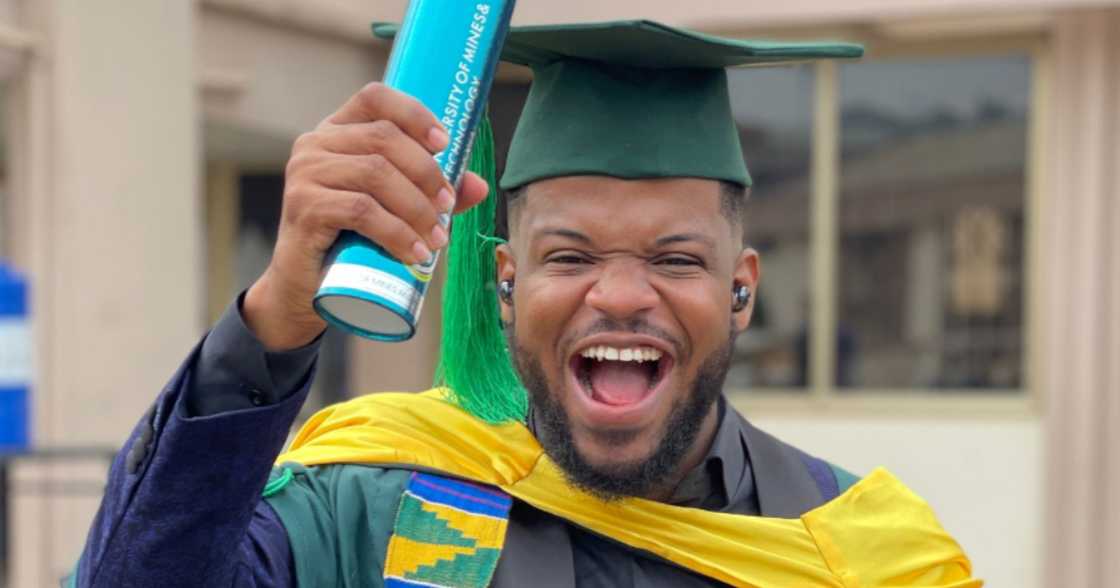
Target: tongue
619, 382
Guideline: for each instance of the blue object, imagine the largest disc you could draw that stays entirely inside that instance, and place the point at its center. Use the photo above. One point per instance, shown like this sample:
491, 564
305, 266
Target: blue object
445, 56
15, 362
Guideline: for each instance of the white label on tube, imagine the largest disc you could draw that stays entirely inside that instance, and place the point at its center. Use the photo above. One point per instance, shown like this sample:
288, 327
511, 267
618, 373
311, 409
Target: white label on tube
371, 281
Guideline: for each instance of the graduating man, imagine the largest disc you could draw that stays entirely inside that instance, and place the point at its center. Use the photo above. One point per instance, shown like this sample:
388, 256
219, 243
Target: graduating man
588, 442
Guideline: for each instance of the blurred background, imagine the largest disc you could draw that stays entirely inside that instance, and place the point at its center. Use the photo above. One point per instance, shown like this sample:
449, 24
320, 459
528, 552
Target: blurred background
938, 227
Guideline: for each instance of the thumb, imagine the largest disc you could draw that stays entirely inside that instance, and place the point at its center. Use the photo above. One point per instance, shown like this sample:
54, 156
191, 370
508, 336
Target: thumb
472, 190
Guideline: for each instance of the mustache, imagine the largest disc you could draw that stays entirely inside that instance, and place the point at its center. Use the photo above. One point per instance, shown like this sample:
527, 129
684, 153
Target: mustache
636, 326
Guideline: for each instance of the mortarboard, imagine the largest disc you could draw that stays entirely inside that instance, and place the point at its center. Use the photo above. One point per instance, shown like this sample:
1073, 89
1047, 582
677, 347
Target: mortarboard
630, 99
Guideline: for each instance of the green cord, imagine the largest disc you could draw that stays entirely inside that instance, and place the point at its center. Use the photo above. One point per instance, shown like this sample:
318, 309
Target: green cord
276, 485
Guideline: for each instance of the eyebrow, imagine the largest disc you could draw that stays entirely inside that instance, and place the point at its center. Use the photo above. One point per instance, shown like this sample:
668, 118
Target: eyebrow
567, 234
685, 238
660, 242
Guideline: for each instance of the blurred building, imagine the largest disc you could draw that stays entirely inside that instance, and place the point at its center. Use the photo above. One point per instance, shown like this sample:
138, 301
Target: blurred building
938, 226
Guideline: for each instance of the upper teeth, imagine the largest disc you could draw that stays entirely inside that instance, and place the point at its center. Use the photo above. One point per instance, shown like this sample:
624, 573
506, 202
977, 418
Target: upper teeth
638, 354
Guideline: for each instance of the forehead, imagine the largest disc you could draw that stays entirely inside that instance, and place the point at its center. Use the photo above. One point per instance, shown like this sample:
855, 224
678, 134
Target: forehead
606, 207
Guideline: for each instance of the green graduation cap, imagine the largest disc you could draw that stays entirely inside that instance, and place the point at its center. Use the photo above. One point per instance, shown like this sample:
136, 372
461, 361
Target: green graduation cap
630, 99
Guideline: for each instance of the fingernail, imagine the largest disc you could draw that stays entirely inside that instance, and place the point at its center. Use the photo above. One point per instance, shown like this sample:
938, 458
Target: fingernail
438, 138
439, 237
445, 200
420, 252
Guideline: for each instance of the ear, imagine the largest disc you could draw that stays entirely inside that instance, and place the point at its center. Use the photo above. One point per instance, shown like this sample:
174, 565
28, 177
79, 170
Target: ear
747, 272
506, 270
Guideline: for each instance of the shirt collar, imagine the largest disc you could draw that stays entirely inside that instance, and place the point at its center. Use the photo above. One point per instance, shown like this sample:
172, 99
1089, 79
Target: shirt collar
723, 480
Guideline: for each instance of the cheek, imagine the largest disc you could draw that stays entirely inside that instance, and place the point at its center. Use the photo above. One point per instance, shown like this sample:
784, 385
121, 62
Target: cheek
543, 308
703, 313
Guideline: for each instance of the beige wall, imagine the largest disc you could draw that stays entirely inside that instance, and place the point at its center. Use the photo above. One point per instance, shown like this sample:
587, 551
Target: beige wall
278, 81
107, 185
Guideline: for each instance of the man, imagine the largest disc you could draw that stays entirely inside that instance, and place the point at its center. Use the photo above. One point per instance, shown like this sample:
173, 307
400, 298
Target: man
621, 289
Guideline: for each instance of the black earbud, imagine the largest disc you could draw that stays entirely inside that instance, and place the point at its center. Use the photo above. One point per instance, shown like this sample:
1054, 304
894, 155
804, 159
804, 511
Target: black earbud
505, 291
740, 297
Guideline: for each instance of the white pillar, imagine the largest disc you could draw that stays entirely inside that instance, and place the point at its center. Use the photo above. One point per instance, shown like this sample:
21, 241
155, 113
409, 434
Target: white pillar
1080, 223
107, 184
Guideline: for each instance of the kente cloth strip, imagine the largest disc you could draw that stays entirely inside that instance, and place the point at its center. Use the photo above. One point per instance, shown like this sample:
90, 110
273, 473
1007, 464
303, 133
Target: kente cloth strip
447, 534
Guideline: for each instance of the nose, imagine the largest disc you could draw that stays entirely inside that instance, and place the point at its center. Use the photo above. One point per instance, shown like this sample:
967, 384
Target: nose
622, 290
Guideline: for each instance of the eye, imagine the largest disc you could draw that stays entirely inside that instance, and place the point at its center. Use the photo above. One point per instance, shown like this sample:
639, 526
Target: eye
678, 261
567, 258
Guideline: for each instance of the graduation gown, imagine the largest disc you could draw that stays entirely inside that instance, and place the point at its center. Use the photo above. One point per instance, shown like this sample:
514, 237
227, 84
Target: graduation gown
183, 506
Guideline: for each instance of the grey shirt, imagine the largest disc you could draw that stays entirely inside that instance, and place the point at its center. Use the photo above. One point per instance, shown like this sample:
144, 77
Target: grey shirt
235, 371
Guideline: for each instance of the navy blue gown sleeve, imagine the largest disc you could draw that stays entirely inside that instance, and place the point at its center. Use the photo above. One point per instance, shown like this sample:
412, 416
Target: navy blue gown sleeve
183, 505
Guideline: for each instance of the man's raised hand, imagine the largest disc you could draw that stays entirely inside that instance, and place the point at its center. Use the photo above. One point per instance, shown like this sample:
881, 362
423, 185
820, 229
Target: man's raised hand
367, 168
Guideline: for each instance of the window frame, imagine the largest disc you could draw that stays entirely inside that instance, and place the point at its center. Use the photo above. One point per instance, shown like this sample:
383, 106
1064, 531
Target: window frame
820, 397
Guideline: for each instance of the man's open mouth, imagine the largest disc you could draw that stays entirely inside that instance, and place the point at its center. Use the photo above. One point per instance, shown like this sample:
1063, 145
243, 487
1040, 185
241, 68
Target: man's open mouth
620, 376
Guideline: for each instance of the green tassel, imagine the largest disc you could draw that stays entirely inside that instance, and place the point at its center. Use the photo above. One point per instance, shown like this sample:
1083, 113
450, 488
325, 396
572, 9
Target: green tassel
474, 361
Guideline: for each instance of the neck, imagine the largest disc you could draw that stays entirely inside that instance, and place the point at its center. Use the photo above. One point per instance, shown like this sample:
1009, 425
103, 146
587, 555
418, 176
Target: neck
694, 457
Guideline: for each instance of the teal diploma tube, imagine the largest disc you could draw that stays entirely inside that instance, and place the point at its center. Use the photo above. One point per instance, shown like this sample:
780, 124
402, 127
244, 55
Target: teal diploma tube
445, 56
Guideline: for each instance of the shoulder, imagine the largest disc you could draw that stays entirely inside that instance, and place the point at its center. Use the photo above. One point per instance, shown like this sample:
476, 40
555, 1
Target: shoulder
312, 485
304, 497
771, 456
831, 479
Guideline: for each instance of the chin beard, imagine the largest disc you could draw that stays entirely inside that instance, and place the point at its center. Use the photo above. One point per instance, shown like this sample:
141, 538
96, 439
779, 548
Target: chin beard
636, 478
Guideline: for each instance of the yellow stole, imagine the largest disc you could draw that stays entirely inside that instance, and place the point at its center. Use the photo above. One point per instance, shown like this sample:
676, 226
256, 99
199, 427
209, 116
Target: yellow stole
878, 533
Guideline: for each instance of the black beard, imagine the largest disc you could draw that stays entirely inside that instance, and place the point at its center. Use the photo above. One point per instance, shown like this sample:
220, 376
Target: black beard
639, 478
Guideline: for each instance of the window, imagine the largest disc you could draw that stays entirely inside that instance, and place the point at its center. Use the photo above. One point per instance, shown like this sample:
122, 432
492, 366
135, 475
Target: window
931, 209
890, 210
